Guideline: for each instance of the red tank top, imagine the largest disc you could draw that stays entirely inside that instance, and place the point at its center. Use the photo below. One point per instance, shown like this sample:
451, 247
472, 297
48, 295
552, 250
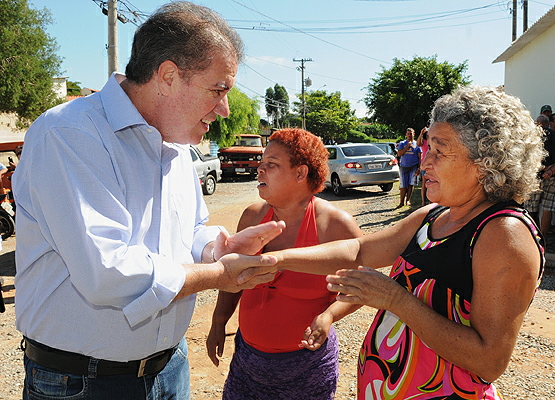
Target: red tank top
273, 316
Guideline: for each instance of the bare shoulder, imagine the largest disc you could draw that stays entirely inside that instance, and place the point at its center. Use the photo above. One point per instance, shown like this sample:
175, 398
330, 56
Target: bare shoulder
334, 223
325, 208
252, 215
506, 242
508, 232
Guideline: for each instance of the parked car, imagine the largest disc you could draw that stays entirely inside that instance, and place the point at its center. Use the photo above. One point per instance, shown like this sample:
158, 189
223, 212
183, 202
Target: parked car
360, 164
243, 157
387, 147
208, 170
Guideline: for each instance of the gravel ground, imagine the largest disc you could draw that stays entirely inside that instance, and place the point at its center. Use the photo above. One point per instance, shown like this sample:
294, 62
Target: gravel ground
530, 375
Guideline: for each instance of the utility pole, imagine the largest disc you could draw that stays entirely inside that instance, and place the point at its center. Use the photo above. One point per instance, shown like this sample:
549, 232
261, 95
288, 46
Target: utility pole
112, 36
514, 19
524, 15
303, 83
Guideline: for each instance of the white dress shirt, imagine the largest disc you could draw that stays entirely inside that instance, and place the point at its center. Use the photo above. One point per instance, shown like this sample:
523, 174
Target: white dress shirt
106, 215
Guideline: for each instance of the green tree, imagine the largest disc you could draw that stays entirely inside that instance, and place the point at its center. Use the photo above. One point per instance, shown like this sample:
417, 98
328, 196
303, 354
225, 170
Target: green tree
243, 118
73, 88
28, 61
378, 131
404, 94
327, 115
357, 136
277, 105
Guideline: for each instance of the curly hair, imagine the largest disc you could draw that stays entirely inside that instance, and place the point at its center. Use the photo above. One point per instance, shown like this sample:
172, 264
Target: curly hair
501, 137
185, 33
304, 148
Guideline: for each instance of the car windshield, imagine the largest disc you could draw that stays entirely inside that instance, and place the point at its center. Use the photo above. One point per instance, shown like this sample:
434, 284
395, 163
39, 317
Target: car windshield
249, 141
358, 151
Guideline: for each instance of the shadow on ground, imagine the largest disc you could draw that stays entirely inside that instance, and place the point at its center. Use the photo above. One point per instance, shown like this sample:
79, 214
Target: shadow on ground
7, 264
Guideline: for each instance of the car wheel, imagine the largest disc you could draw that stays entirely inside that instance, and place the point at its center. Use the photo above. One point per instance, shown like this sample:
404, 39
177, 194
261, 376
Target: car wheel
7, 225
386, 187
336, 186
209, 186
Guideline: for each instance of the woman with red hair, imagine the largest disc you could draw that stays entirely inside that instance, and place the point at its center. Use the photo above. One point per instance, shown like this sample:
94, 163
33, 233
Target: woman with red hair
285, 347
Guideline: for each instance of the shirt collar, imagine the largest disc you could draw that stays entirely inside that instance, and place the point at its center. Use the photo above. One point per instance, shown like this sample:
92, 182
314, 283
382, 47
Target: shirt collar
120, 111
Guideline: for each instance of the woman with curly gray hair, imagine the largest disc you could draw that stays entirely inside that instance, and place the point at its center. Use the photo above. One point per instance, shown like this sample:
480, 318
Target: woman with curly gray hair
465, 267
500, 137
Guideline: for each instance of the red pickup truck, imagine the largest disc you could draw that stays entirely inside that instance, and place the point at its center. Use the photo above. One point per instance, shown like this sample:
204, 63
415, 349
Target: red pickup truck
243, 157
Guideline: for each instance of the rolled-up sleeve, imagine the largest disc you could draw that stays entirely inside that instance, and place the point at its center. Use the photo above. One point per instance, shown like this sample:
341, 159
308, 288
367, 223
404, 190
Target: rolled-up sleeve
165, 285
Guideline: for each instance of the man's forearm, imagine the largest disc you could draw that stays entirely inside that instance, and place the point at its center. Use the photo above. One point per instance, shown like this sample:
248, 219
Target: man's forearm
200, 277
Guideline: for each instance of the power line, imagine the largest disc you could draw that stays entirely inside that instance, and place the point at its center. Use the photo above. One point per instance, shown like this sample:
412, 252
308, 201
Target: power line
359, 30
278, 103
130, 14
361, 24
425, 16
310, 35
291, 68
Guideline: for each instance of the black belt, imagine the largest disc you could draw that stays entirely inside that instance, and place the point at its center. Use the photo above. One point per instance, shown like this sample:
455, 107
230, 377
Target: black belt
78, 364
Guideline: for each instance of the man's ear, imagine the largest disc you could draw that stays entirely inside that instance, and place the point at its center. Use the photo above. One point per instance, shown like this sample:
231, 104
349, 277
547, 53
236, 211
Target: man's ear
168, 73
302, 172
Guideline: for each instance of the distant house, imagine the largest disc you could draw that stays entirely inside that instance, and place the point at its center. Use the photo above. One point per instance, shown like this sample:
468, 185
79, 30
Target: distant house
87, 91
59, 85
529, 62
84, 92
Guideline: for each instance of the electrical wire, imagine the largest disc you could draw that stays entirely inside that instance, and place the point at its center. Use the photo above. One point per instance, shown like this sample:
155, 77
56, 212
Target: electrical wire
130, 14
427, 17
294, 69
362, 24
308, 34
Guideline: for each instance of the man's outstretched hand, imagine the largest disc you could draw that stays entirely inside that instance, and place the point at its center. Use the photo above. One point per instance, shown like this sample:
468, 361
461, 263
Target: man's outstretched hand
249, 241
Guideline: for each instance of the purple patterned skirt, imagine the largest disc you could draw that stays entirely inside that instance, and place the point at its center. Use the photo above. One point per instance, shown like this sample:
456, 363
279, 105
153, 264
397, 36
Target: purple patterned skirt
302, 374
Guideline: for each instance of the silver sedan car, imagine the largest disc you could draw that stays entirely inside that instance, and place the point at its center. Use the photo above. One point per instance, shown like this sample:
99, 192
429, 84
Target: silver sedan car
360, 164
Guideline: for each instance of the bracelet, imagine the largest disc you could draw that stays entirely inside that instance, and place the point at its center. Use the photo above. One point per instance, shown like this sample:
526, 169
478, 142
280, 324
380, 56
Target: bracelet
212, 256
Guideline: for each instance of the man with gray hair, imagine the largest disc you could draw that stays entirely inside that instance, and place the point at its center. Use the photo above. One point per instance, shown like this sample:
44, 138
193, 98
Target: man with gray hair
112, 248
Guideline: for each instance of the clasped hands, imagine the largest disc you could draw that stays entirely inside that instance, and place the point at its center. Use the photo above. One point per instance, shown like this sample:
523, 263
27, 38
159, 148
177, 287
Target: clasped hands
244, 270
236, 254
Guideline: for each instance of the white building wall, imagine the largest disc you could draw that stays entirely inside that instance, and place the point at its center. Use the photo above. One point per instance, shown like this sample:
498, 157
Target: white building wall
60, 86
529, 74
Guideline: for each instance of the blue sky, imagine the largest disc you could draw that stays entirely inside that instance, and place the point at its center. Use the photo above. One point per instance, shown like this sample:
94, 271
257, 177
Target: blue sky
349, 41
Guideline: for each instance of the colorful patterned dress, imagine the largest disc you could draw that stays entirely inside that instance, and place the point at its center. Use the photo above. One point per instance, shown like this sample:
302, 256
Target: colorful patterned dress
394, 363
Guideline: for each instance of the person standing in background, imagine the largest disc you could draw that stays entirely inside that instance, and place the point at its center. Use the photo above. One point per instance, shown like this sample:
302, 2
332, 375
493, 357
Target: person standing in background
422, 142
17, 151
546, 110
409, 163
544, 199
